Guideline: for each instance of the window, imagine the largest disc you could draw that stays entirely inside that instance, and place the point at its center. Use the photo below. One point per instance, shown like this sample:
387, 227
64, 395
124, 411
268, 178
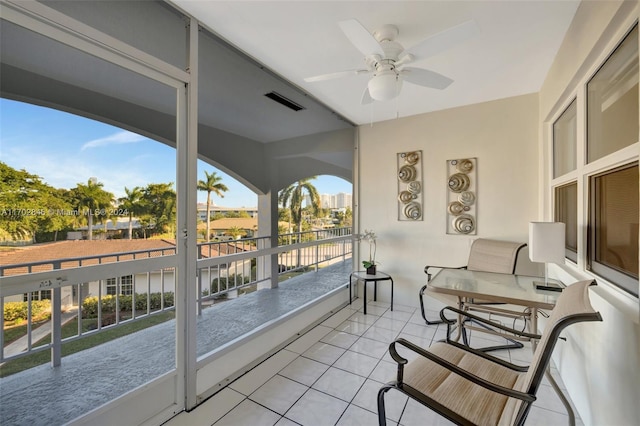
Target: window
595, 180
37, 295
566, 211
613, 234
612, 101
565, 141
126, 285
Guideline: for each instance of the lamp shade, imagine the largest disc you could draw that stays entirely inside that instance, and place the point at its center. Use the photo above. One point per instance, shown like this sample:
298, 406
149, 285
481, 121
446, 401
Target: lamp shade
385, 85
547, 242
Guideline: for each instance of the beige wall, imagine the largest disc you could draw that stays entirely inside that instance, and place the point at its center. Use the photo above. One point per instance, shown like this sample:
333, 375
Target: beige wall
599, 363
502, 135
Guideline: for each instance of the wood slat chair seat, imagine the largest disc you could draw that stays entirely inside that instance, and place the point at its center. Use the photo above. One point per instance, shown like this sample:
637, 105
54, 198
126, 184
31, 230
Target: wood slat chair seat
470, 387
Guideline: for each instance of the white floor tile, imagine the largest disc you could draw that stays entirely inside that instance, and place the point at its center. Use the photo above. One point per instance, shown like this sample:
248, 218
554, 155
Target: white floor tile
384, 372
339, 383
367, 398
375, 310
541, 417
283, 379
308, 339
278, 394
255, 378
340, 339
338, 318
356, 416
317, 409
361, 318
397, 315
353, 327
324, 353
404, 308
356, 363
395, 325
286, 422
380, 334
248, 413
304, 370
217, 406
370, 347
424, 331
416, 414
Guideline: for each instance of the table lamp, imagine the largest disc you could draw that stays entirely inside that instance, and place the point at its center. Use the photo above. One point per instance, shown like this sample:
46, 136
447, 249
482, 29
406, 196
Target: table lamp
546, 244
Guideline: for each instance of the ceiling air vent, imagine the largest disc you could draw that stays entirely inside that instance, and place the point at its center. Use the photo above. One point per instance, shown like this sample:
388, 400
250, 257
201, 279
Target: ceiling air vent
275, 96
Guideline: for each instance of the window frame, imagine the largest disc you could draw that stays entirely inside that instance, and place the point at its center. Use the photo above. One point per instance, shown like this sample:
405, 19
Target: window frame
621, 279
584, 170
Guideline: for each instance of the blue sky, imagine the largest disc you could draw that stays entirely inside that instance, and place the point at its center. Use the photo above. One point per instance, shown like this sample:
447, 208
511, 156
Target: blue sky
65, 149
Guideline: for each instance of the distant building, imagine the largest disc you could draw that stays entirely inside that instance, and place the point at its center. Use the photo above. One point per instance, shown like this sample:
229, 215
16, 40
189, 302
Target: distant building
202, 210
335, 201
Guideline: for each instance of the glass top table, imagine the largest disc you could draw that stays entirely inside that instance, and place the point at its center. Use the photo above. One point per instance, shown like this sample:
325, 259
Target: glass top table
506, 288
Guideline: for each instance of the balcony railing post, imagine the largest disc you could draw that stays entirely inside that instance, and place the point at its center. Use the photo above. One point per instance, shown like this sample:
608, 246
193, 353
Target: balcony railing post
56, 327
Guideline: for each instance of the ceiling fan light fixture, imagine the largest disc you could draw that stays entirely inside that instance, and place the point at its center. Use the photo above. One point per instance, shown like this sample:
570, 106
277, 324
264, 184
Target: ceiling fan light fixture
385, 86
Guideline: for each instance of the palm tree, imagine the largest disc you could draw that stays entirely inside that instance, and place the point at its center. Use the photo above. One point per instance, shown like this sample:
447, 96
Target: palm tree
132, 203
91, 199
212, 183
159, 200
293, 195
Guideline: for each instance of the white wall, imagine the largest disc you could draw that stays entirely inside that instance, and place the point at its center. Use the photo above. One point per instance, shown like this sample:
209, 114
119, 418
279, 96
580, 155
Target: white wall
501, 134
599, 363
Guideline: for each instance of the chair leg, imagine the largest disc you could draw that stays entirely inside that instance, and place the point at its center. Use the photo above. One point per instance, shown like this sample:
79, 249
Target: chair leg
382, 416
514, 343
424, 316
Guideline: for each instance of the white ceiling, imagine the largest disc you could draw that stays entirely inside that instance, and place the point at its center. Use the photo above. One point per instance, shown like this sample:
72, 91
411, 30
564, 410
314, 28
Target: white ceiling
510, 56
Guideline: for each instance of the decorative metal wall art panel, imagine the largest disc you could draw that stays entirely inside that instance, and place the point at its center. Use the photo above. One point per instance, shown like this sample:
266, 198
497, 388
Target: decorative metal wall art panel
462, 183
410, 185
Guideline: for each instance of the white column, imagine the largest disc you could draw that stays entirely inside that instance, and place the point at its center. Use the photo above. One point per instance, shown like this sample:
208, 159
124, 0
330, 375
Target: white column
268, 227
186, 241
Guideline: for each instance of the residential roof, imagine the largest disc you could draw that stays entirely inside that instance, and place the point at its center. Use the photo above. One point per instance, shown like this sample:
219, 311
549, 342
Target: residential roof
97, 250
85, 253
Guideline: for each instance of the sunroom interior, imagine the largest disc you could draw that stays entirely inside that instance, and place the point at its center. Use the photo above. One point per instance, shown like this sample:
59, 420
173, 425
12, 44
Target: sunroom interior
160, 70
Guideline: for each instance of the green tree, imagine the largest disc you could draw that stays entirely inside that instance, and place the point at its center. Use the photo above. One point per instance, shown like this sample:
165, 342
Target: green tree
28, 206
294, 195
159, 200
211, 183
92, 201
133, 204
236, 232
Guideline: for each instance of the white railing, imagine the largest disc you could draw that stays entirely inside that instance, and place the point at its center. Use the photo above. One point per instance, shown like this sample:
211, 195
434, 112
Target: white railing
123, 287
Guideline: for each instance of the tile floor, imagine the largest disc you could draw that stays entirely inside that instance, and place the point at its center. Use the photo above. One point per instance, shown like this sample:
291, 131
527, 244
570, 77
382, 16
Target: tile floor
331, 376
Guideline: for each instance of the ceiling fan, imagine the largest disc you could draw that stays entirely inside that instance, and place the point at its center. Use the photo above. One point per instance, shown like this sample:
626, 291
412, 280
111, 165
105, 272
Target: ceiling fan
386, 59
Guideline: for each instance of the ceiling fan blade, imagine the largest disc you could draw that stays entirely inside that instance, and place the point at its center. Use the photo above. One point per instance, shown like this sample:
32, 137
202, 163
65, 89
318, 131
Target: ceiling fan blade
334, 75
443, 40
426, 78
361, 38
366, 97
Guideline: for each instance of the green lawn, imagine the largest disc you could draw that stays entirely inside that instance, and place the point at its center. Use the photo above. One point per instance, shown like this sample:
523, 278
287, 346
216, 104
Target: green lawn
13, 333
68, 348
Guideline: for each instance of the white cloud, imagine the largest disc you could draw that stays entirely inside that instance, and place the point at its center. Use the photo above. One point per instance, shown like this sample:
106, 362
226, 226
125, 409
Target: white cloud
115, 139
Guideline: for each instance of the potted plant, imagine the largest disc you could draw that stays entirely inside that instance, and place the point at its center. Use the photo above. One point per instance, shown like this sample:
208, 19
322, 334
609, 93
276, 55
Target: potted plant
370, 265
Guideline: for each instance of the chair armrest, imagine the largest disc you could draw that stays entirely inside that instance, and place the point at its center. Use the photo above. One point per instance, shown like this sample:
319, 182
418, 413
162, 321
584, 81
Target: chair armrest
426, 269
485, 321
453, 368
